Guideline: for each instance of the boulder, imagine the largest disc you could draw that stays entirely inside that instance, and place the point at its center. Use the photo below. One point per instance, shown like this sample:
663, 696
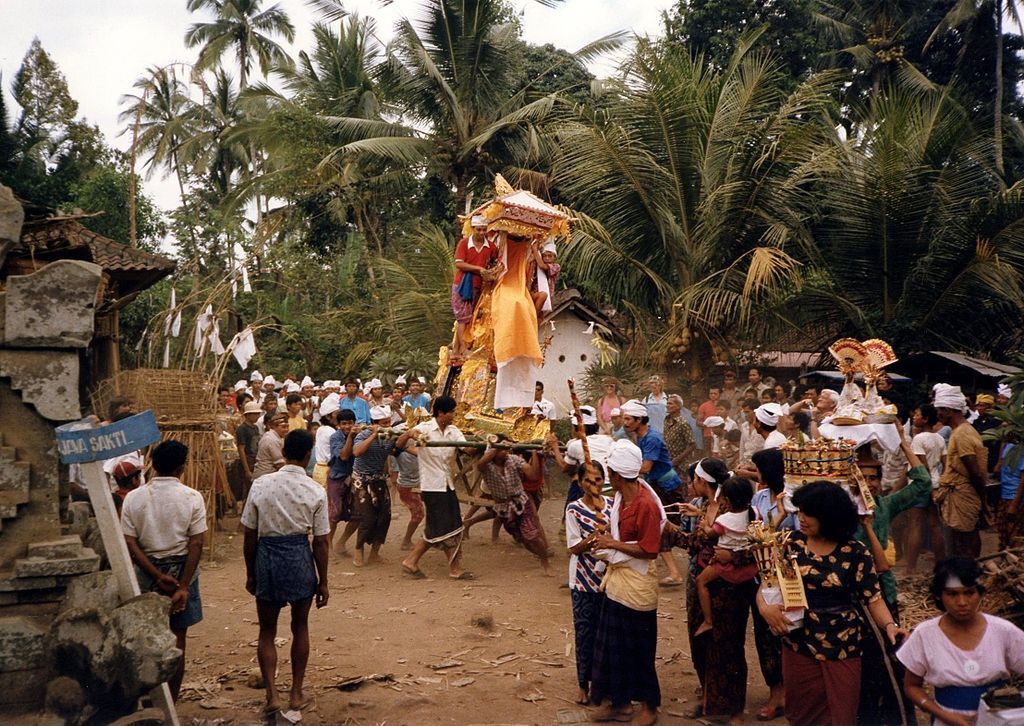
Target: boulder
54, 307
82, 649
148, 649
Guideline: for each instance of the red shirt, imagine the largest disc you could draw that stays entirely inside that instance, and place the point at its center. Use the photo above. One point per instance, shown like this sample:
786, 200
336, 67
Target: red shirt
706, 409
465, 252
640, 521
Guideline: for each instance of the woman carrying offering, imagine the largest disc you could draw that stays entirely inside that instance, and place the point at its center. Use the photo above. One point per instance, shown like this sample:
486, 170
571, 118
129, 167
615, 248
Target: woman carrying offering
963, 652
821, 663
627, 628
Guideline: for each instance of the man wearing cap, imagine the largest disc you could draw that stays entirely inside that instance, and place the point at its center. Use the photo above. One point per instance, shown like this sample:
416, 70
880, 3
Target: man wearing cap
623, 670
766, 419
326, 412
127, 477
247, 441
270, 452
354, 403
657, 471
473, 256
269, 386
985, 421
961, 490
370, 486
572, 461
282, 567
443, 527
256, 386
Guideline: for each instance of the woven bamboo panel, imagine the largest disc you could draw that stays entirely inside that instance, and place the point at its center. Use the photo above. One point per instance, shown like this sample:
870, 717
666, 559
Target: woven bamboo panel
171, 394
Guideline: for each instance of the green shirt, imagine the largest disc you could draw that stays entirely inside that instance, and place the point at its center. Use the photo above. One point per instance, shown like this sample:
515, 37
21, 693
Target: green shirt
916, 493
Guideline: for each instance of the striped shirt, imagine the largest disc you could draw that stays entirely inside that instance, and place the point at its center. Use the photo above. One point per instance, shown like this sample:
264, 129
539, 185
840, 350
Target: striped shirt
375, 461
585, 570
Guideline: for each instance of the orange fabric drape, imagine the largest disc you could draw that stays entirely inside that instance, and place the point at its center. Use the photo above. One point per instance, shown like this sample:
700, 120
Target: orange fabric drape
512, 311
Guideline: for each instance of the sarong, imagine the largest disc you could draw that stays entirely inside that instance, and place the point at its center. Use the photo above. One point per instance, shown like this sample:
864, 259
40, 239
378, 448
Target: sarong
524, 527
624, 651
820, 692
444, 519
341, 501
174, 566
586, 608
320, 474
413, 502
373, 502
719, 657
285, 571
462, 309
769, 648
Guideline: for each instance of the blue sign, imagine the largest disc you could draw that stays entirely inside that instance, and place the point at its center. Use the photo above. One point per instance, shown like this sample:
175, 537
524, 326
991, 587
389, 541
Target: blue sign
81, 442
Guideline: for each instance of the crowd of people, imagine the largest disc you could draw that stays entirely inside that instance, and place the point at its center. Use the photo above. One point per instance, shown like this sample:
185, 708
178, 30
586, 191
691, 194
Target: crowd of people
653, 476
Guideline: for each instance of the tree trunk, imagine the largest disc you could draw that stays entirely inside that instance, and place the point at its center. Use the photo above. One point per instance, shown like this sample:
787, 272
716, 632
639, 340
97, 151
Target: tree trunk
998, 110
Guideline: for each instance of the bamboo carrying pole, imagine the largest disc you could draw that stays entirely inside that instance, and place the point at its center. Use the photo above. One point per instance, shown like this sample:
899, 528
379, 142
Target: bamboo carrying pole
481, 445
590, 489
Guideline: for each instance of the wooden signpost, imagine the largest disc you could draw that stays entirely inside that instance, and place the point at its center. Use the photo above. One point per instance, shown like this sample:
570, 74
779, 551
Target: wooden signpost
89, 445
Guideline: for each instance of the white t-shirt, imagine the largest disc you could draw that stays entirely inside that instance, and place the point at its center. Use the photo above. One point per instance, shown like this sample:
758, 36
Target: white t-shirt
546, 408
435, 462
774, 440
162, 515
286, 502
734, 530
928, 653
599, 444
931, 447
322, 445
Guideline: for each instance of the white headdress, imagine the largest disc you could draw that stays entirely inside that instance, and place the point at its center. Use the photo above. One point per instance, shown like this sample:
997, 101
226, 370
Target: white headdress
625, 459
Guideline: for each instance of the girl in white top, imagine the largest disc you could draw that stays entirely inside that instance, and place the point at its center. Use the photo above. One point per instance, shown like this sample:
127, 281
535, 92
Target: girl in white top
961, 653
731, 527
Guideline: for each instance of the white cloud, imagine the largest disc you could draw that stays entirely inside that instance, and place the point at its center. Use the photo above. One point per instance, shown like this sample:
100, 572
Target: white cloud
103, 46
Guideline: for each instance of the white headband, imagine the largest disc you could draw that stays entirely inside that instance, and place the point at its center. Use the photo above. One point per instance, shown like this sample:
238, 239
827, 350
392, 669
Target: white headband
699, 471
953, 582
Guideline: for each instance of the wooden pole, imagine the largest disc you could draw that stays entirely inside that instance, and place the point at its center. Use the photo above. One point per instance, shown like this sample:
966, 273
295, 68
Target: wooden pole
120, 562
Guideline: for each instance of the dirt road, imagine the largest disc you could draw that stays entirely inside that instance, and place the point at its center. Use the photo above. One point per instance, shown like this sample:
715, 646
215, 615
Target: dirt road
419, 639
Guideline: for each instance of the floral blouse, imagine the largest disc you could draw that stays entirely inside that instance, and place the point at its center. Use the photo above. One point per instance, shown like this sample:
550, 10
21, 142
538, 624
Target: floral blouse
836, 584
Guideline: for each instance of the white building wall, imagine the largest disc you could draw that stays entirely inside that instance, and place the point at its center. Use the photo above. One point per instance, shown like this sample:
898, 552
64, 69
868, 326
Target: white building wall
569, 356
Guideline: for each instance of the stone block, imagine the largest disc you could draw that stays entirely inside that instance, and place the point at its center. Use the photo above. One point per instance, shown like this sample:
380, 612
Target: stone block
9, 583
87, 561
22, 643
12, 216
70, 546
149, 655
65, 696
22, 688
54, 307
96, 591
46, 379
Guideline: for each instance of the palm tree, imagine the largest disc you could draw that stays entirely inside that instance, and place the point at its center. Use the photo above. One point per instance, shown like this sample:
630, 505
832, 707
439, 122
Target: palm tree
241, 27
919, 244
211, 146
975, 13
451, 74
694, 189
160, 116
872, 34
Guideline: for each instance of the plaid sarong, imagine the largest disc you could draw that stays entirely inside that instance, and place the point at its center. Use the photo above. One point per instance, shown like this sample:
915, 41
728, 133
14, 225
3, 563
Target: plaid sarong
285, 572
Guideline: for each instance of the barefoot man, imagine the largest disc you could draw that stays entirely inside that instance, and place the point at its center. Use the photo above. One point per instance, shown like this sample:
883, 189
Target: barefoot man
504, 473
283, 508
444, 516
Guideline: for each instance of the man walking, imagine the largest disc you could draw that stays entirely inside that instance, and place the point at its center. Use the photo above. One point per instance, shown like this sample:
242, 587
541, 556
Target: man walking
281, 567
444, 516
961, 489
163, 523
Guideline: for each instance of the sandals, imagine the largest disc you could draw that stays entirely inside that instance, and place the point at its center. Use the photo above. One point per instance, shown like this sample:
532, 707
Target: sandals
416, 574
466, 575
669, 582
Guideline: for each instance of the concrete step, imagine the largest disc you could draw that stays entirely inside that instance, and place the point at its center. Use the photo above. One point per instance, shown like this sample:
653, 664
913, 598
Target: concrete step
8, 453
70, 546
22, 642
87, 561
14, 474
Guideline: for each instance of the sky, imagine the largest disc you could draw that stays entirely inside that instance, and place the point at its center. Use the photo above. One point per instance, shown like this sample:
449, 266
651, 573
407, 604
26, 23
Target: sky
103, 46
